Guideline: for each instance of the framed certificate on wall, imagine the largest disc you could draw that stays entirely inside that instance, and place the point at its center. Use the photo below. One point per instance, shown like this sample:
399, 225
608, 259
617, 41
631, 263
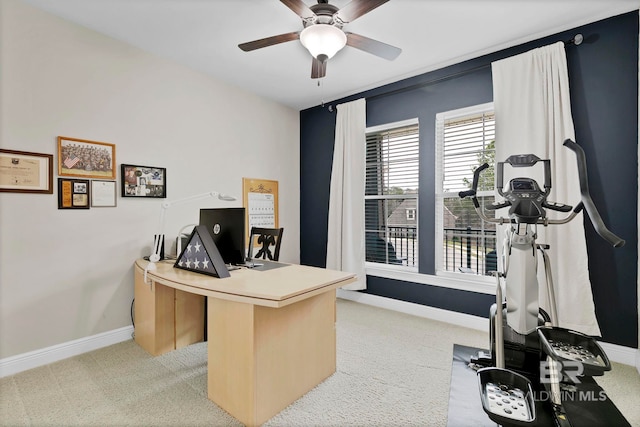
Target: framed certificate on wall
24, 172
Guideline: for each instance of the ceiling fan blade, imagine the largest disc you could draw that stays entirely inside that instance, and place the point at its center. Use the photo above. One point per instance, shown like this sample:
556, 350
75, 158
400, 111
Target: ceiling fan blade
269, 41
299, 8
318, 69
357, 8
373, 47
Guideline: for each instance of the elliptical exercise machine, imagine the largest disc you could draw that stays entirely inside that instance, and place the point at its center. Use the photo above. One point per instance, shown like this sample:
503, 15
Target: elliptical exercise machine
538, 373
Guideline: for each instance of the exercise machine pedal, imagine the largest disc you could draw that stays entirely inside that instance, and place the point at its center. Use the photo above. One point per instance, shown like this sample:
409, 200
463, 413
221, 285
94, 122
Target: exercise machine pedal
565, 345
506, 396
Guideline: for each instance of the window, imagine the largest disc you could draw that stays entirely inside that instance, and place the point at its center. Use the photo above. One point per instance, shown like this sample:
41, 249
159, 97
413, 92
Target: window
411, 214
465, 139
391, 194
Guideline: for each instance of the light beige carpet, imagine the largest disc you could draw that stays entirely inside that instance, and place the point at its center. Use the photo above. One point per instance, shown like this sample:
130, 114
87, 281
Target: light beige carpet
393, 370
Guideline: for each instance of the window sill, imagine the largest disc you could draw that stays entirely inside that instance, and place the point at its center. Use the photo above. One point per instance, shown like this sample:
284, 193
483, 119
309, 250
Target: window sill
477, 284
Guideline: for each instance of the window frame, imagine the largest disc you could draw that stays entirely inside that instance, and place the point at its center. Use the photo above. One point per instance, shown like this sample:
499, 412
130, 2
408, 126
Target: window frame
481, 280
468, 283
370, 266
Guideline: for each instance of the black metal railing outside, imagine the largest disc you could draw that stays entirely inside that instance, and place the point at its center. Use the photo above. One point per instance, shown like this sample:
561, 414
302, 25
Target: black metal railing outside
398, 246
405, 242
468, 250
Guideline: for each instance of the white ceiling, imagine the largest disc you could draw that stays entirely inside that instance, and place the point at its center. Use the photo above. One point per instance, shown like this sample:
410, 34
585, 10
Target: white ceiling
204, 35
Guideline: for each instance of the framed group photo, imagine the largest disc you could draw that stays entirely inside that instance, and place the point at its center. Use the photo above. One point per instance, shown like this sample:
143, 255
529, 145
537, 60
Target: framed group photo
86, 159
25, 172
144, 181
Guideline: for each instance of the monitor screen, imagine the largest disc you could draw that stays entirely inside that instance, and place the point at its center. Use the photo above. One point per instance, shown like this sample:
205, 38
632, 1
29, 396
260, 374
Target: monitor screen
226, 226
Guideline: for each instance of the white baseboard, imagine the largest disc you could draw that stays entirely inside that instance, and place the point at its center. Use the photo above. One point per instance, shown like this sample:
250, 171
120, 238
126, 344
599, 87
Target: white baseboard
22, 362
616, 353
459, 319
33, 359
619, 354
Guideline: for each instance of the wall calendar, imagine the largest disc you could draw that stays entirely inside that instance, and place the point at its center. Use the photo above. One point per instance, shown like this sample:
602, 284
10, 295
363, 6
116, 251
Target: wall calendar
260, 199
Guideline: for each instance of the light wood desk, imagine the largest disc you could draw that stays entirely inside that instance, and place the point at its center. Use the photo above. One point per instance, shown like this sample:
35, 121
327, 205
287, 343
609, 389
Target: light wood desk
271, 334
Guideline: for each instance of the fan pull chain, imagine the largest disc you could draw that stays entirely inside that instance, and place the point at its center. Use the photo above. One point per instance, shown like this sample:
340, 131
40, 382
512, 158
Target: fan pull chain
321, 86
329, 107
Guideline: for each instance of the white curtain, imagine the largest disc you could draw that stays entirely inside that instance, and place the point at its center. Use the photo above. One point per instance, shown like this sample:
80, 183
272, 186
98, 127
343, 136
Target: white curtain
345, 236
533, 115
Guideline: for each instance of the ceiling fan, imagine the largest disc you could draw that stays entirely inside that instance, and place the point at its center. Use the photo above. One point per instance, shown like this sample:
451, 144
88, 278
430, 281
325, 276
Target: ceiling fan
323, 35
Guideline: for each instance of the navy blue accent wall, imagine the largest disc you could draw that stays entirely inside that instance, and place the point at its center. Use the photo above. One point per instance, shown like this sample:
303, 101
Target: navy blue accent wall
603, 74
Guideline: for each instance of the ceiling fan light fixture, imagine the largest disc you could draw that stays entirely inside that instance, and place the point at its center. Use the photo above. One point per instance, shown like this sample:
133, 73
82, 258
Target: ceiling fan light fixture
323, 40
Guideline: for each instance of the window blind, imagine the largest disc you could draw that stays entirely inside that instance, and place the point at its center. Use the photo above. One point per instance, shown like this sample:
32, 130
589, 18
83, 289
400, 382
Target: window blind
391, 193
468, 143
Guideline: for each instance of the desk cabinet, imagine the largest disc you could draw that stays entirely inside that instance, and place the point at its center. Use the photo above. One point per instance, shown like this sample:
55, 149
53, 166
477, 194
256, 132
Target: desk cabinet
260, 359
166, 318
271, 333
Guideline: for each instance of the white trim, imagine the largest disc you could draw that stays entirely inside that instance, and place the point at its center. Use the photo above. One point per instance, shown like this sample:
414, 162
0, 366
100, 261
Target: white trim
394, 125
33, 359
459, 319
616, 353
464, 111
478, 284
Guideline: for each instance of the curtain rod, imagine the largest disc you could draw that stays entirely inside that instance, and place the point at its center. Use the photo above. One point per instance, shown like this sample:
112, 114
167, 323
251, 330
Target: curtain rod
576, 41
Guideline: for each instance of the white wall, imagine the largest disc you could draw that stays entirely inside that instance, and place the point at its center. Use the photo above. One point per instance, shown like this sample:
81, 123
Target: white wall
68, 274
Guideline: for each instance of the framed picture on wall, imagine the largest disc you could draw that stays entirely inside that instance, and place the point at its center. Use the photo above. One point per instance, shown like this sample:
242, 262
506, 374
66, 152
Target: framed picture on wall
103, 193
144, 181
86, 159
73, 193
24, 172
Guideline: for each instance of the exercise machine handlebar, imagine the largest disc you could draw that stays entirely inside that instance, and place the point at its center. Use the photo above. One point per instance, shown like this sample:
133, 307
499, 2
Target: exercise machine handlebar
586, 202
474, 185
589, 206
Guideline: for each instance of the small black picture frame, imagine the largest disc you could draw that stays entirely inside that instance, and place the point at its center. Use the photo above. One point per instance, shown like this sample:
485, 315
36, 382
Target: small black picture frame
74, 193
143, 181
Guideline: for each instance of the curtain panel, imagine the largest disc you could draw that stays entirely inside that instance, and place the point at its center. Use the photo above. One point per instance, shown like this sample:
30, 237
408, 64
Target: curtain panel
533, 115
345, 235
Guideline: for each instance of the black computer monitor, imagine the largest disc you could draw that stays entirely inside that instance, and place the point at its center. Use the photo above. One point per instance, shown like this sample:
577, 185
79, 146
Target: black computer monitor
226, 226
